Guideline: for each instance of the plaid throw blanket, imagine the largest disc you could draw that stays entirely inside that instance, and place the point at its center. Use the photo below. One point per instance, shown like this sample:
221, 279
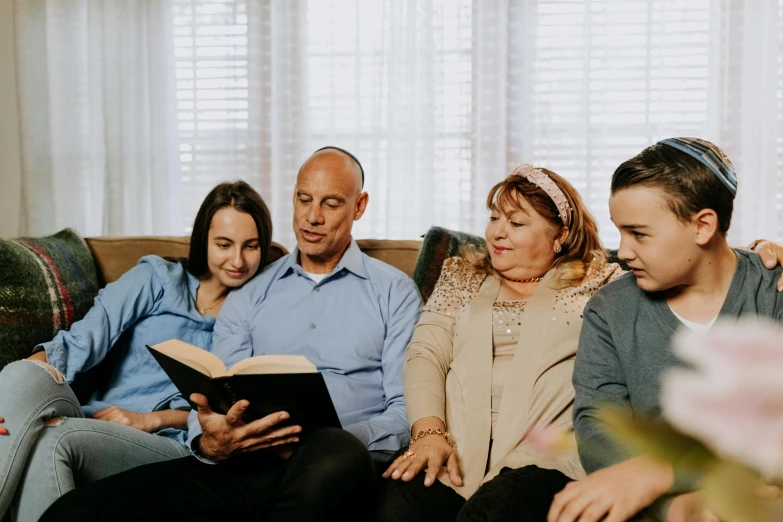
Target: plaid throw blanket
45, 285
438, 245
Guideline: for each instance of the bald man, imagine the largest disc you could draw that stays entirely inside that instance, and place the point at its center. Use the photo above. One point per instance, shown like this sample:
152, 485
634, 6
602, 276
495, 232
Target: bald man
350, 315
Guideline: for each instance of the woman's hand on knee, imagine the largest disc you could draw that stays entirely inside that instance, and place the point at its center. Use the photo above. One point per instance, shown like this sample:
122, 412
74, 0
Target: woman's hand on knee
431, 453
140, 421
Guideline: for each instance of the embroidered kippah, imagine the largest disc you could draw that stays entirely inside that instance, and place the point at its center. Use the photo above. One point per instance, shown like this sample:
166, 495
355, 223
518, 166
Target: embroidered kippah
540, 179
699, 150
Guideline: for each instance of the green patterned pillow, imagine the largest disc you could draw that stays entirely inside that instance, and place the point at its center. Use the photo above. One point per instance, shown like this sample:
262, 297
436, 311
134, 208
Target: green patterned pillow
46, 284
438, 245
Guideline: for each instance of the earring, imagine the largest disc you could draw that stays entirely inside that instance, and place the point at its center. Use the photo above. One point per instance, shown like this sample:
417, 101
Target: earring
558, 249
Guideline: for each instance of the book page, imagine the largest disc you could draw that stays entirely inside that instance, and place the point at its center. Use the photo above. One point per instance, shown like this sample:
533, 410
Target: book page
200, 360
273, 364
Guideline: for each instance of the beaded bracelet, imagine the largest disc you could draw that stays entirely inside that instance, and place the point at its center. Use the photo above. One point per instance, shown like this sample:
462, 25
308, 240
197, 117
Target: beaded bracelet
431, 431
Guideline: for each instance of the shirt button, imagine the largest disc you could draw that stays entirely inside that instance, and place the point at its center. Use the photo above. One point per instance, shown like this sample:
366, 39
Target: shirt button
312, 326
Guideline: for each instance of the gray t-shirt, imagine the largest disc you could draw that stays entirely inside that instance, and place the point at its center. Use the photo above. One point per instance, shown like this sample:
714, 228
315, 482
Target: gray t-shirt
625, 346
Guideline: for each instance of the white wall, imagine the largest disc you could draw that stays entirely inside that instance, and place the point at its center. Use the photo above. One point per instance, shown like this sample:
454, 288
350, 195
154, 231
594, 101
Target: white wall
10, 160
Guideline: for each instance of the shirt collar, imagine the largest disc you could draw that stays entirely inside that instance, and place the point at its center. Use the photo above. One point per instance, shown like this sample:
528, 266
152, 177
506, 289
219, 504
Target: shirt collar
351, 261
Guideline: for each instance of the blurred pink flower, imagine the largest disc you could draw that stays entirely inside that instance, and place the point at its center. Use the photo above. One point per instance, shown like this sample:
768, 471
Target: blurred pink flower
550, 439
732, 399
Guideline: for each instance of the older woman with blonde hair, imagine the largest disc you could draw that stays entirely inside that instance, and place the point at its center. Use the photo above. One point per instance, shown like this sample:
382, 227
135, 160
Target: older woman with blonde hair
491, 359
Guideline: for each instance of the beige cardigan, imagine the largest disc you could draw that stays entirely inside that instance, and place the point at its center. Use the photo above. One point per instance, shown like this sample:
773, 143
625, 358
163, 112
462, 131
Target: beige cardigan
448, 374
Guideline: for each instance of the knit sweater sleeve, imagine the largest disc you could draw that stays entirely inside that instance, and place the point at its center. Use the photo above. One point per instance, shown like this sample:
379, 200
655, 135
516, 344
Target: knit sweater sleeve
599, 381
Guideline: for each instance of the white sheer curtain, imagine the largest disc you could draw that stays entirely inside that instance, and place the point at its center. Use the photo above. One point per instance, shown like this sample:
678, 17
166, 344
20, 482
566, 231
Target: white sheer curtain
97, 117
390, 81
241, 96
589, 83
438, 98
746, 102
262, 84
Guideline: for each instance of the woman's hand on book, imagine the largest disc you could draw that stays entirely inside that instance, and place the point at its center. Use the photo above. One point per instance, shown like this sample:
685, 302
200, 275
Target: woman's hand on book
224, 436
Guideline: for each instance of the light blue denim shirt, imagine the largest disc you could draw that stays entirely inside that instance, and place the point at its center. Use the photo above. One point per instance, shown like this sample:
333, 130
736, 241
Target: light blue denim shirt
151, 303
354, 326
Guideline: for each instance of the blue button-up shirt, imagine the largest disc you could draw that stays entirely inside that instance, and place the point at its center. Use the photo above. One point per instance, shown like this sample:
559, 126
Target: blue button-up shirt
151, 303
354, 326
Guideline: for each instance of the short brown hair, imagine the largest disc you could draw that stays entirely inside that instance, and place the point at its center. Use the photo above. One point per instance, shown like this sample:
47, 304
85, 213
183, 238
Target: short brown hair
581, 246
689, 185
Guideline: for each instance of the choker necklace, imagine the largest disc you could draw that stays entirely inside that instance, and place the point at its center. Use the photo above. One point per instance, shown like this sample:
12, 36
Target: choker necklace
531, 280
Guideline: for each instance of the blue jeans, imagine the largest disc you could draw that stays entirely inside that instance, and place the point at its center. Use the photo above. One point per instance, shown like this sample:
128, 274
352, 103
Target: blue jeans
39, 463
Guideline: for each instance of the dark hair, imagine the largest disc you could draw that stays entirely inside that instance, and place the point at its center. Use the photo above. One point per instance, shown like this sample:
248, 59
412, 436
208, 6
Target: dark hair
581, 246
241, 197
354, 158
689, 185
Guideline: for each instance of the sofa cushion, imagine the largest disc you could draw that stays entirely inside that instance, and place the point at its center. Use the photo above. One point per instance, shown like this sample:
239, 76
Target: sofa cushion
439, 244
46, 284
400, 254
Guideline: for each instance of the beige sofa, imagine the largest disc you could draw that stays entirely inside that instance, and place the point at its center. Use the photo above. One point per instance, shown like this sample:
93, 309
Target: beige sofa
116, 255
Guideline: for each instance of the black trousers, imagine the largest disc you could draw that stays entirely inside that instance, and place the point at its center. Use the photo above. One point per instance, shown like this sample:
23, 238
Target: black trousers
520, 495
330, 476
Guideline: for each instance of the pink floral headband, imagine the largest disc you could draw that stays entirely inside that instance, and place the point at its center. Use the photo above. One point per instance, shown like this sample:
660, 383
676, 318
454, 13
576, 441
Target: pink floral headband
540, 179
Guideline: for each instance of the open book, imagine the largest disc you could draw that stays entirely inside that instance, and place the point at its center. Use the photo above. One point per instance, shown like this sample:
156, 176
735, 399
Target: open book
270, 383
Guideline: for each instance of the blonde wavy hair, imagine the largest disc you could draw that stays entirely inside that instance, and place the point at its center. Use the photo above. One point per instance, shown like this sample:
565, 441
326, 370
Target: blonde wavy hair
581, 246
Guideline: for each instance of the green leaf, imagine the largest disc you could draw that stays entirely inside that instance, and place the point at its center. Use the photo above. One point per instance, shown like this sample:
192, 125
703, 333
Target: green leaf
646, 434
730, 490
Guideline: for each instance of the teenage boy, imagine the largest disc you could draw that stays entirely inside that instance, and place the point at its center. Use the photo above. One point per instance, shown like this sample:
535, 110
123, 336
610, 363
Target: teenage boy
672, 204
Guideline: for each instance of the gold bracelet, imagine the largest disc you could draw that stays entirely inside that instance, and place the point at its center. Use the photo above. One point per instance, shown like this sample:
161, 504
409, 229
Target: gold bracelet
431, 431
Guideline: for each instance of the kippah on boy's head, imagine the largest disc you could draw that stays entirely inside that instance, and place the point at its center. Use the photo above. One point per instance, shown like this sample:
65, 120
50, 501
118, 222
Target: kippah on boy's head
672, 204
694, 174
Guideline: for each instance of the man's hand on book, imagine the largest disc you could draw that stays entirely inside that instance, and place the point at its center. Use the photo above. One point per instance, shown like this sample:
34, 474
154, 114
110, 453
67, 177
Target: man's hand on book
224, 436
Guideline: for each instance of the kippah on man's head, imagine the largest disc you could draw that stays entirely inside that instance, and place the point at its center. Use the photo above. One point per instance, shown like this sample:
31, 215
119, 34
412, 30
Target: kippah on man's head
332, 147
